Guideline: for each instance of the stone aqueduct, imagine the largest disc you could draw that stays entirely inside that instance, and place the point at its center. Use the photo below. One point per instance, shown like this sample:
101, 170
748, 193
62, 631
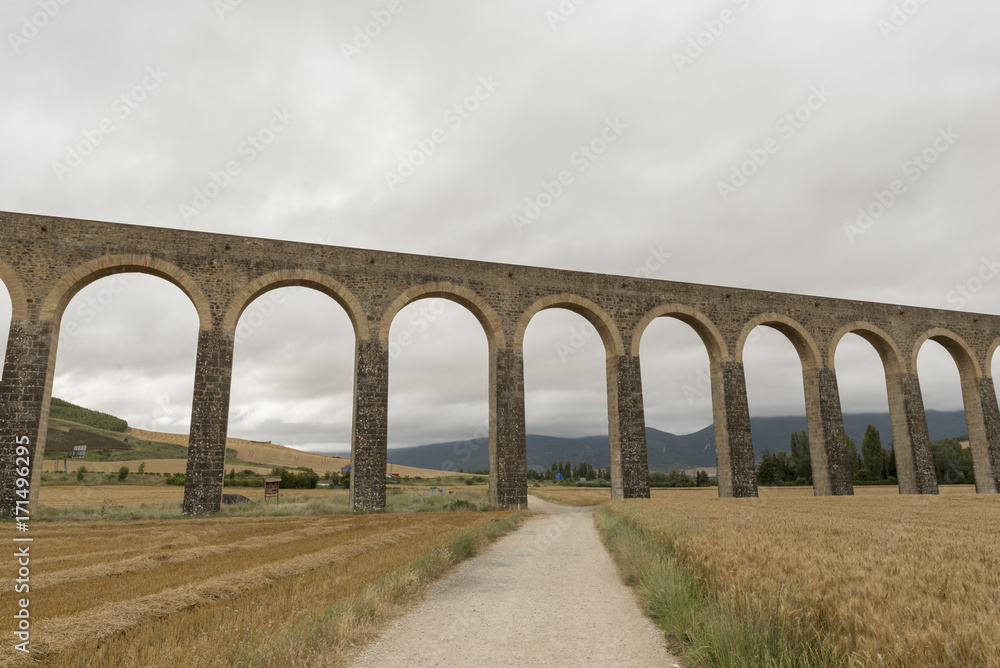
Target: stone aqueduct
45, 261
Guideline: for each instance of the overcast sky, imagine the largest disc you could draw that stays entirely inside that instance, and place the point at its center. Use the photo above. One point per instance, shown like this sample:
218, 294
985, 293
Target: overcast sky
832, 100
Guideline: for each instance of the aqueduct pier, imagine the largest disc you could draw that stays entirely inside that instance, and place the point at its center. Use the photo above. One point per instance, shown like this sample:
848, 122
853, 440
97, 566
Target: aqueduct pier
45, 261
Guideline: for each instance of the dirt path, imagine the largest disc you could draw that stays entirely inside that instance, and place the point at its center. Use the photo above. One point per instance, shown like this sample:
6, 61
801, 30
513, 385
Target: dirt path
547, 595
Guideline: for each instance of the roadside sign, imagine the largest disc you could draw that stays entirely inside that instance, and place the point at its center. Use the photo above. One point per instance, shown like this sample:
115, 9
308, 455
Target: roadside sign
271, 489
559, 477
79, 451
346, 469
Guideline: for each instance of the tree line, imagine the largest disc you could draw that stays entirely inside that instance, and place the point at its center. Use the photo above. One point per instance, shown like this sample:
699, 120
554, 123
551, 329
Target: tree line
874, 465
570, 471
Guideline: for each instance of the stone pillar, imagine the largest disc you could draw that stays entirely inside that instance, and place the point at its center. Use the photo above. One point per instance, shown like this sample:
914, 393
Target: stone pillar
831, 470
983, 418
508, 455
24, 408
206, 462
369, 436
627, 429
733, 440
914, 460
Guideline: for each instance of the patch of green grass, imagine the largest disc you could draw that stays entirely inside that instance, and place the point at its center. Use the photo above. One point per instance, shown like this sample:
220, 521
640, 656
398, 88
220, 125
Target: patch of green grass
93, 478
289, 504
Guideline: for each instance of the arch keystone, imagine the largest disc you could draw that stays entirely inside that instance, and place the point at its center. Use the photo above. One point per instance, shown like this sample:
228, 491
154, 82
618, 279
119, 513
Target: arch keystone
805, 344
594, 314
297, 278
892, 357
960, 351
698, 321
83, 275
459, 294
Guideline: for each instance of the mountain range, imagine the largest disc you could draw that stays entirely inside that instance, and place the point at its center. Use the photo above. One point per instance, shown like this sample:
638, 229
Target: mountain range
665, 451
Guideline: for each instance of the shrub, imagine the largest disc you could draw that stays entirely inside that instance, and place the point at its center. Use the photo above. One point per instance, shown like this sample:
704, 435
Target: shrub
306, 479
142, 468
123, 473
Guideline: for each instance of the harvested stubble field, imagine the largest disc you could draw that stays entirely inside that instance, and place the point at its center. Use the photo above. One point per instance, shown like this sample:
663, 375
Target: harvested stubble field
60, 496
883, 579
225, 591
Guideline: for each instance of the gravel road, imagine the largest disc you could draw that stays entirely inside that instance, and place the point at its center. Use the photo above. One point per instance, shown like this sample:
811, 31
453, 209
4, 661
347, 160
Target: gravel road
545, 595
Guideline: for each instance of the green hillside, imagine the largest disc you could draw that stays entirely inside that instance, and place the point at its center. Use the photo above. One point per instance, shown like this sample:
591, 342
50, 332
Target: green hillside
63, 410
106, 440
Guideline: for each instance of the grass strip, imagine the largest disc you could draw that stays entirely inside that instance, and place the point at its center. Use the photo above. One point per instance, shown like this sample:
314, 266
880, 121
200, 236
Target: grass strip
290, 505
334, 635
703, 628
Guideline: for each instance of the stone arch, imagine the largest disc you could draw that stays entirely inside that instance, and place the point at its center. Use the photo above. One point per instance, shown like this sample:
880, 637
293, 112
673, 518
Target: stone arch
484, 313
968, 365
594, 314
803, 341
297, 278
77, 279
18, 299
989, 358
892, 357
702, 325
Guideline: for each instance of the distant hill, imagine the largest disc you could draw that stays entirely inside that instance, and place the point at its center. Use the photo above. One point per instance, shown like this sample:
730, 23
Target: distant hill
110, 442
665, 451
64, 410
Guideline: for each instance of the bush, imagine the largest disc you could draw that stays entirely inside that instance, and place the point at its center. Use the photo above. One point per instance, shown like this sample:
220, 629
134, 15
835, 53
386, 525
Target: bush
123, 473
81, 472
306, 479
175, 479
142, 468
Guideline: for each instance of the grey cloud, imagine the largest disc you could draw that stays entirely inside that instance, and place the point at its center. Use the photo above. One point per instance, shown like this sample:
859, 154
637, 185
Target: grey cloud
323, 179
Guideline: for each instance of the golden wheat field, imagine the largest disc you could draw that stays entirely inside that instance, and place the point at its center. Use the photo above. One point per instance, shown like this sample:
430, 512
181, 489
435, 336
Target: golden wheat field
892, 580
211, 592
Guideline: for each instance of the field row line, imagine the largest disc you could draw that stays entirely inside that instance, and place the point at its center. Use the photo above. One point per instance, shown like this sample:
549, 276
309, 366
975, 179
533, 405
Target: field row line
149, 562
57, 635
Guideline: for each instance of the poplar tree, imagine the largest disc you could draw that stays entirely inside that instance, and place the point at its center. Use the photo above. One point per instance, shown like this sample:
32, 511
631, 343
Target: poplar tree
873, 455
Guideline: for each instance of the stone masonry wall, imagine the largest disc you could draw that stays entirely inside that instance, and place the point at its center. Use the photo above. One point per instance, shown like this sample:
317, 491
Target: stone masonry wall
44, 261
